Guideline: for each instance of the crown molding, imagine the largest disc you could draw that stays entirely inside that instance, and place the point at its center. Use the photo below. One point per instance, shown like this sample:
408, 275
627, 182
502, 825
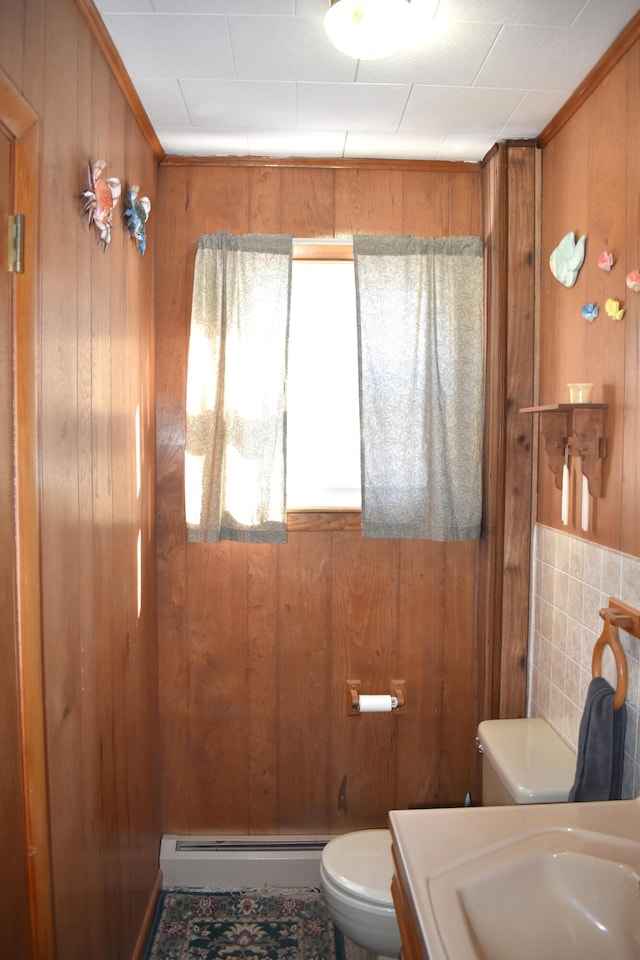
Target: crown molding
325, 163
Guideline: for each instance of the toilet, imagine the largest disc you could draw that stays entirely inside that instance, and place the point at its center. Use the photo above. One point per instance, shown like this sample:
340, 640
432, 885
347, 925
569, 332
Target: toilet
355, 873
523, 761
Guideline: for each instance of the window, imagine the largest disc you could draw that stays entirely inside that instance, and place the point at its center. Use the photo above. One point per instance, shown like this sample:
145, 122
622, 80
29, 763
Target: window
419, 326
323, 428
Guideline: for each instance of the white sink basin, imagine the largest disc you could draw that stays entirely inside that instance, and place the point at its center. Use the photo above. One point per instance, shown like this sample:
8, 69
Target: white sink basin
554, 893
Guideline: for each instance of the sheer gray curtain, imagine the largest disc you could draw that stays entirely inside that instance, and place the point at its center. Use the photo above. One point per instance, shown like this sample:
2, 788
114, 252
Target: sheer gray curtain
235, 469
421, 343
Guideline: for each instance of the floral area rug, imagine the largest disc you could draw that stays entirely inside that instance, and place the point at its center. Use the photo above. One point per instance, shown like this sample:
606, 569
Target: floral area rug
245, 925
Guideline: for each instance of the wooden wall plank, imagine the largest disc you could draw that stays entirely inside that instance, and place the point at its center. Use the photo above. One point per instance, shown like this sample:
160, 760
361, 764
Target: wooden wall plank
26, 158
364, 642
465, 209
172, 326
85, 241
457, 750
264, 200
446, 205
218, 203
267, 702
63, 654
368, 201
217, 715
304, 657
425, 210
12, 36
35, 23
438, 721
307, 203
104, 869
142, 789
422, 636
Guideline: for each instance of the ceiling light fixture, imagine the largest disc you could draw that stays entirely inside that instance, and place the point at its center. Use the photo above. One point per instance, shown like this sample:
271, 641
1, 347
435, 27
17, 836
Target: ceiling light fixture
368, 29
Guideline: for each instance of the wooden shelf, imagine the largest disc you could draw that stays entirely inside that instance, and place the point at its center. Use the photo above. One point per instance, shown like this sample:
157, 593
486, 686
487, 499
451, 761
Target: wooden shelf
564, 407
577, 428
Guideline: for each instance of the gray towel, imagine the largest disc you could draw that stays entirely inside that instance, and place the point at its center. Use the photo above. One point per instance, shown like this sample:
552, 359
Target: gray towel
600, 746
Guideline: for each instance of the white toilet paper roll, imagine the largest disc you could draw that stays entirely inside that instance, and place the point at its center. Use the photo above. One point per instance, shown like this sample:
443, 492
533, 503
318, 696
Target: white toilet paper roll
376, 703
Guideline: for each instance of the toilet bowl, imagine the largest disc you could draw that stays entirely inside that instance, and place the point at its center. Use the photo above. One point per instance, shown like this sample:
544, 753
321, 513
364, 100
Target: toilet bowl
355, 873
524, 761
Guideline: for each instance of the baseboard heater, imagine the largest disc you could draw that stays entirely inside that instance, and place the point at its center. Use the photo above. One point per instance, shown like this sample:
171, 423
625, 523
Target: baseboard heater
232, 863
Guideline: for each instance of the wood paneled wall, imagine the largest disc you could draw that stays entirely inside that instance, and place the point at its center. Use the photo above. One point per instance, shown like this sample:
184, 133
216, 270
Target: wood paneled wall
95, 367
591, 186
257, 642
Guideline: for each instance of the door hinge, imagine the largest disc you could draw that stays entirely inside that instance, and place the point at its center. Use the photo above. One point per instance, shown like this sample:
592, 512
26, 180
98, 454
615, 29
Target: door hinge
16, 243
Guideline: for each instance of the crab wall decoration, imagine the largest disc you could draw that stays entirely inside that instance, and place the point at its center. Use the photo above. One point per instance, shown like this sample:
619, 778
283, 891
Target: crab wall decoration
101, 196
135, 214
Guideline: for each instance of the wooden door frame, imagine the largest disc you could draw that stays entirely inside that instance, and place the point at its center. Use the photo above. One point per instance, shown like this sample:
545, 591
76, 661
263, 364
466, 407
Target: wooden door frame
22, 124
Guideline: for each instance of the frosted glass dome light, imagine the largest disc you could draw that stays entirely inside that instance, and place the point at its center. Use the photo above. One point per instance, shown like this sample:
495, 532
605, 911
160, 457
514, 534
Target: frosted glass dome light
368, 29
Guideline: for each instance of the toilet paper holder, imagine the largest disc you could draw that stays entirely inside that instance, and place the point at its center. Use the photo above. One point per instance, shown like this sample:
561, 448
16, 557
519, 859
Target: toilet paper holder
354, 692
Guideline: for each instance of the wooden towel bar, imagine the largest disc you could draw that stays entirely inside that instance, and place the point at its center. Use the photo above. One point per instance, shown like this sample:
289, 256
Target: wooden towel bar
616, 616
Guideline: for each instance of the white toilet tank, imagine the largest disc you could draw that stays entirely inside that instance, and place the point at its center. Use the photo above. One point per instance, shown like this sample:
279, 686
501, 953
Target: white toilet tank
524, 761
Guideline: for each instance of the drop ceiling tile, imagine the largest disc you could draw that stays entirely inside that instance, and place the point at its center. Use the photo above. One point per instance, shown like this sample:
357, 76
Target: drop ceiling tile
402, 146
228, 104
451, 54
311, 8
124, 6
348, 106
548, 12
597, 15
226, 7
542, 58
465, 148
203, 143
183, 46
532, 114
164, 103
286, 48
296, 143
459, 110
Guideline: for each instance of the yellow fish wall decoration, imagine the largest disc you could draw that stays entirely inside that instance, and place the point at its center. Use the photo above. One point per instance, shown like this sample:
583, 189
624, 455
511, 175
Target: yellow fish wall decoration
614, 310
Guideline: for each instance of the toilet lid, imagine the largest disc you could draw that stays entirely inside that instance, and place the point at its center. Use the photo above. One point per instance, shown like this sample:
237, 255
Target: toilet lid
362, 862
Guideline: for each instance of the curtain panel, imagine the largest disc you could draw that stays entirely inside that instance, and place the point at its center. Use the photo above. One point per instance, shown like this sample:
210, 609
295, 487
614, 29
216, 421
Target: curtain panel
420, 316
235, 446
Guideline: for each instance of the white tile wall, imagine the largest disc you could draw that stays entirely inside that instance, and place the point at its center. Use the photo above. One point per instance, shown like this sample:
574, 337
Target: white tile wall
572, 580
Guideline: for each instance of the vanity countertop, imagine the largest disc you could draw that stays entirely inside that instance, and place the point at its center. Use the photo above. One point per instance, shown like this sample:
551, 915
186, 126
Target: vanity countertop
427, 842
